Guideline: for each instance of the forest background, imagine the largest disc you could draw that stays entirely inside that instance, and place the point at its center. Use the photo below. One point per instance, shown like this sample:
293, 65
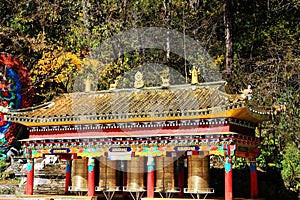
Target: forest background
253, 42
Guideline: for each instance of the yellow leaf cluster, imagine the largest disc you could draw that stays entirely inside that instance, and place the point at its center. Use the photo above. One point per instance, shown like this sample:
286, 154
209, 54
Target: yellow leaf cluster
57, 66
219, 60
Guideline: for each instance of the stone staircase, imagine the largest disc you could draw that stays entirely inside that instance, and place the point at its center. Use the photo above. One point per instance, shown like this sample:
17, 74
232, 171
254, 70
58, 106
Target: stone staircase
49, 177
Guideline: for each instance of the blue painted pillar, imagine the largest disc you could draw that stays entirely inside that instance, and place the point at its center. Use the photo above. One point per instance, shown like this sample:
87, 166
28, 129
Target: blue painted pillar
30, 176
150, 177
68, 176
228, 179
91, 177
253, 179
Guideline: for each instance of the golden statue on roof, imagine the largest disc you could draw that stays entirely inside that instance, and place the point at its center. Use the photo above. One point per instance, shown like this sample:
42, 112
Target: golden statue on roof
194, 73
139, 82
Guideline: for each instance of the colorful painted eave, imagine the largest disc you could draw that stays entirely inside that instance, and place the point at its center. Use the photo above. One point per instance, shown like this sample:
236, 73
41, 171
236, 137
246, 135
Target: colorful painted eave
185, 102
216, 144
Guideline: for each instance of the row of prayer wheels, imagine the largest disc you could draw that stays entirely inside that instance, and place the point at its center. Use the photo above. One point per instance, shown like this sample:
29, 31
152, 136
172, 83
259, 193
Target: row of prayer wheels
107, 173
198, 173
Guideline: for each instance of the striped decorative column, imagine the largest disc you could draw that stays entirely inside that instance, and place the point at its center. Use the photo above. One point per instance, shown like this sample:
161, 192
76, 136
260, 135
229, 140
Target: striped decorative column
91, 177
68, 176
30, 176
228, 179
150, 177
253, 179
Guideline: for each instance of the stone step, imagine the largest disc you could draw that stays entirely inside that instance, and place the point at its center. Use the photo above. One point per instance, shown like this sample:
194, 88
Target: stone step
47, 197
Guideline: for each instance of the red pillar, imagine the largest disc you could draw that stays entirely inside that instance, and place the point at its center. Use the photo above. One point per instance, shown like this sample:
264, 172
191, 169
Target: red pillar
68, 176
253, 179
30, 176
180, 167
228, 179
150, 177
91, 177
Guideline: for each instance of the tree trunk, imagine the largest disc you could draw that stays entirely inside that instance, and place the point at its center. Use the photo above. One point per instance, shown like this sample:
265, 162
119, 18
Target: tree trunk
228, 13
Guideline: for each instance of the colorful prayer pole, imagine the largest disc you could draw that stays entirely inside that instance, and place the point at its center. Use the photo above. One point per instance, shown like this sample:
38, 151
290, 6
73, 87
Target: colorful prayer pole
228, 179
150, 177
30, 176
253, 179
91, 177
68, 176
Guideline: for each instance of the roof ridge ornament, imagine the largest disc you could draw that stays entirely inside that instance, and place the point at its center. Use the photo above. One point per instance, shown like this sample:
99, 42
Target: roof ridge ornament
194, 72
165, 78
247, 93
165, 82
87, 84
113, 86
139, 82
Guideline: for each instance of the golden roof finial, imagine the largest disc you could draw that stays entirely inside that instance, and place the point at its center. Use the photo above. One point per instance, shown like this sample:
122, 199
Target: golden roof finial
165, 82
113, 85
139, 82
247, 93
88, 84
165, 78
194, 73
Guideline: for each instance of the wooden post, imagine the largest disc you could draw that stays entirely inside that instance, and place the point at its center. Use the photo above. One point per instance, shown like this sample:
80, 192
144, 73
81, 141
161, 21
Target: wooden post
180, 167
68, 176
228, 179
91, 177
253, 179
30, 176
150, 177
124, 170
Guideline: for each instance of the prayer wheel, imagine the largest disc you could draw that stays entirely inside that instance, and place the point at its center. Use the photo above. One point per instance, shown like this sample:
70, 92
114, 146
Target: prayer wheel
169, 181
79, 174
135, 173
198, 172
165, 173
159, 173
111, 172
108, 174
102, 172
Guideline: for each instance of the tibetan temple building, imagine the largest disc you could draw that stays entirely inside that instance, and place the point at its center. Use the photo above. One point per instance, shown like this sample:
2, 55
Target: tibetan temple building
143, 136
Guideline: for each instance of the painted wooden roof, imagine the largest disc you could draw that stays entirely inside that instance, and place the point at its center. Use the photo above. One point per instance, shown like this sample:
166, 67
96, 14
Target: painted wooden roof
148, 104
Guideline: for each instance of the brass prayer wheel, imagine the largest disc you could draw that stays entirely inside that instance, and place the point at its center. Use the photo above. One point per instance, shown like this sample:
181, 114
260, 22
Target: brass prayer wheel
159, 173
111, 172
102, 172
79, 174
198, 172
165, 173
135, 173
108, 174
